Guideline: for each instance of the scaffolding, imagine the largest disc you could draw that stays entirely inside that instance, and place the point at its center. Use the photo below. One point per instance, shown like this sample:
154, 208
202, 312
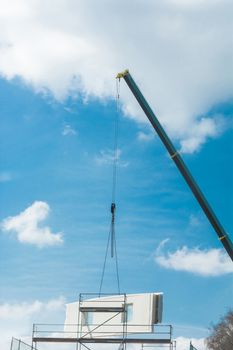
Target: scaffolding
112, 331
18, 344
159, 346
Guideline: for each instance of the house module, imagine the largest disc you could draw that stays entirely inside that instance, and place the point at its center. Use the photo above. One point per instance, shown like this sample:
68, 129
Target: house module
103, 321
107, 315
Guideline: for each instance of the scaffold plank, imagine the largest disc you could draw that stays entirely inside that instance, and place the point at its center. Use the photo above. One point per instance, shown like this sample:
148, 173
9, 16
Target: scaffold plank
101, 309
102, 340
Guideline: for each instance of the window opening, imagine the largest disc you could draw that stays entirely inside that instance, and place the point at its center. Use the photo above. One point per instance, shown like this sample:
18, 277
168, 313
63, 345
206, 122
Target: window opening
87, 318
127, 316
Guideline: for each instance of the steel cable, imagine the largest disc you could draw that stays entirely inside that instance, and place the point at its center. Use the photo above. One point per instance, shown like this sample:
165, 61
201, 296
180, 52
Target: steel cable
112, 234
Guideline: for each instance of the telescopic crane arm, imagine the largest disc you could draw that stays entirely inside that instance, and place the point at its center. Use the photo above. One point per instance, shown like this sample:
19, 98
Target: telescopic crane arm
176, 157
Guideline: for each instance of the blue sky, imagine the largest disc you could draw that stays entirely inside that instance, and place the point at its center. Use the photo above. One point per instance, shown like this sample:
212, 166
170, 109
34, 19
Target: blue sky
153, 203
56, 150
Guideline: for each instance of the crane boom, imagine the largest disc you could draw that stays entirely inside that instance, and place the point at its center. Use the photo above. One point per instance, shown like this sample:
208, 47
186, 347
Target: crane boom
176, 157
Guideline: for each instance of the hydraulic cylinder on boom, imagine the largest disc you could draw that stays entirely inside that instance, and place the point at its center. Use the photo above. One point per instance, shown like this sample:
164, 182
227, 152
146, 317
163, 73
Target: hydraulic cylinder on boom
176, 157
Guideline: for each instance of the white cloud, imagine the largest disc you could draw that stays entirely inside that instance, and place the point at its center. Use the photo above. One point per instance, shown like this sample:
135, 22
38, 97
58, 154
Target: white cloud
194, 221
16, 319
26, 226
5, 176
183, 343
212, 262
142, 136
107, 157
25, 309
68, 130
179, 52
198, 134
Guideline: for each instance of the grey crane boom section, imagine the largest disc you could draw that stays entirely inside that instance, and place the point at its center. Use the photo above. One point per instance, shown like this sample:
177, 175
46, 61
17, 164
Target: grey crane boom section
175, 156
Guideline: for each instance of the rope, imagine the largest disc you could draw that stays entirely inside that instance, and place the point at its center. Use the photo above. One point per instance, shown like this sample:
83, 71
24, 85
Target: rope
115, 148
117, 269
112, 234
105, 259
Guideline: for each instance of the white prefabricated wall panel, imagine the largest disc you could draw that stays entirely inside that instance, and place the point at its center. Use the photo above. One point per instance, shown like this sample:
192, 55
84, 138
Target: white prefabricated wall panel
146, 310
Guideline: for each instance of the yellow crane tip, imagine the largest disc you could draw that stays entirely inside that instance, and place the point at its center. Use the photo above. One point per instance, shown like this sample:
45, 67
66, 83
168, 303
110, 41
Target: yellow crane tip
122, 74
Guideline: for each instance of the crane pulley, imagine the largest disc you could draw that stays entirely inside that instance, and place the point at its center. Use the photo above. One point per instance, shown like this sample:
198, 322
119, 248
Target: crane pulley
113, 208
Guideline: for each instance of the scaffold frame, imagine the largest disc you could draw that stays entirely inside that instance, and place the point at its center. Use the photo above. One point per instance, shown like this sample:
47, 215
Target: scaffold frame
160, 335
